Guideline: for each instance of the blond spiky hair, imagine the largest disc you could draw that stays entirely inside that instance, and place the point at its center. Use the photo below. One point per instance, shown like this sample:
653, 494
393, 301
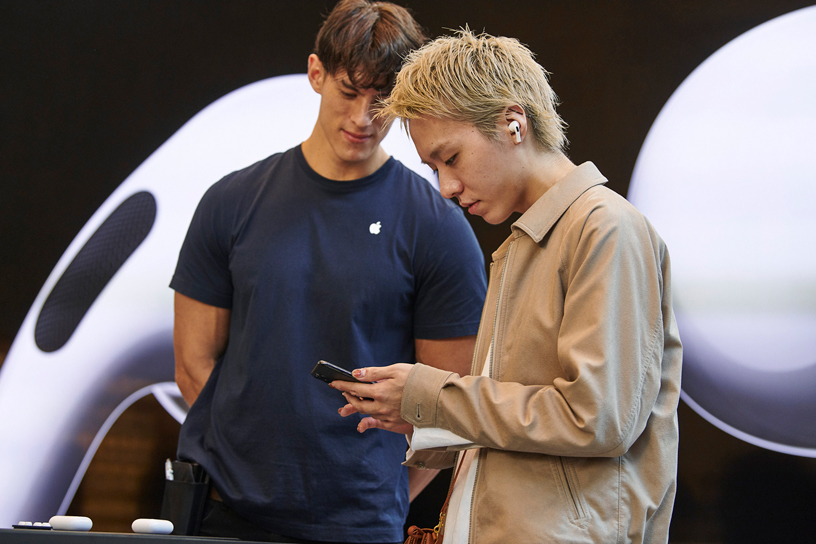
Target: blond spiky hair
474, 78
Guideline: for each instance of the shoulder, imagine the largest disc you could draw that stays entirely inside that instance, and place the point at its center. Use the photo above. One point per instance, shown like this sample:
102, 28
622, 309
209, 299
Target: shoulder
417, 195
414, 186
601, 217
601, 198
233, 196
253, 176
601, 205
436, 226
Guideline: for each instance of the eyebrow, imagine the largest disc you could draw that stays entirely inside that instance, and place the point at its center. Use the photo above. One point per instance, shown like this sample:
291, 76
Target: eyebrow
436, 151
347, 84
434, 154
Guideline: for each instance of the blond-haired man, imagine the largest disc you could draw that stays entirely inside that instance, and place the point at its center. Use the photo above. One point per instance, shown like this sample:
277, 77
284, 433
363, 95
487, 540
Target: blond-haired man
567, 428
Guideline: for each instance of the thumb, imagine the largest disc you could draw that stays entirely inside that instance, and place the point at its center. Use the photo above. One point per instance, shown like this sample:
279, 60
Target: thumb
371, 374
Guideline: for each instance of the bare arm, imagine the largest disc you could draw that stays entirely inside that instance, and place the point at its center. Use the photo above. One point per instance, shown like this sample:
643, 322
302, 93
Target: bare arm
455, 355
418, 479
200, 335
451, 354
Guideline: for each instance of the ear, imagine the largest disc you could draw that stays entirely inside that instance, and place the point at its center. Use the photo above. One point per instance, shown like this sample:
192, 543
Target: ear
515, 113
316, 73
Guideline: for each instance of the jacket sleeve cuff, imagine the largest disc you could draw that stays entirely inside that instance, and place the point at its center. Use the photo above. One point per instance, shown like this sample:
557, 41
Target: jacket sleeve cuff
421, 393
429, 459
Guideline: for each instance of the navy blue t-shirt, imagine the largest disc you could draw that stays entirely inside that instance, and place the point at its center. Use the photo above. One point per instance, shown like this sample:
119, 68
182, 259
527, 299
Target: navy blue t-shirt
350, 272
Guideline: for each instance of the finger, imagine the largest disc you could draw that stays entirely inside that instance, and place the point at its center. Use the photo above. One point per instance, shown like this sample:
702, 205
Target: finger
369, 423
395, 427
347, 410
342, 386
373, 373
362, 406
356, 389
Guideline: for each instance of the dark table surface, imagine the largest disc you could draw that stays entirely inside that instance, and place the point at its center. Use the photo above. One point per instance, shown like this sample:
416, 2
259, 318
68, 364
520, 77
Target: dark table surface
39, 536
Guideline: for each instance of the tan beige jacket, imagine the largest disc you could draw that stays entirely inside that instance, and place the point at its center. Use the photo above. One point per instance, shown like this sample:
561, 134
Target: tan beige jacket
578, 420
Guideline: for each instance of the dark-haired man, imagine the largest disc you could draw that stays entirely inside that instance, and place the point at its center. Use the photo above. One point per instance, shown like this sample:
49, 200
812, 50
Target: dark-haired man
282, 266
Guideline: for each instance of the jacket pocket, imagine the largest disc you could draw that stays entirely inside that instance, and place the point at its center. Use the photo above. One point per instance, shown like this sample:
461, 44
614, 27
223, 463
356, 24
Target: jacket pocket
570, 489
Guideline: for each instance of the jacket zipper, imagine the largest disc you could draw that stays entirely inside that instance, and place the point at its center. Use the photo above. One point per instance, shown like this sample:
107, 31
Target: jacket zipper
576, 503
490, 375
498, 305
473, 495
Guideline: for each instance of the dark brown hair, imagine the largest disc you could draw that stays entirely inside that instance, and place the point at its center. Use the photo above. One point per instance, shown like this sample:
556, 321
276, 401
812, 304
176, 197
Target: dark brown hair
367, 40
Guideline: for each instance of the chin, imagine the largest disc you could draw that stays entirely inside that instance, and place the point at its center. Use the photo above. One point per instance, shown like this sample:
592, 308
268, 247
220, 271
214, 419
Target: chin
359, 154
494, 219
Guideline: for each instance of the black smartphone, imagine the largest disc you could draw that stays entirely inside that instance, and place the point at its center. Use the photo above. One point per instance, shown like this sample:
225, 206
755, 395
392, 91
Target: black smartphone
328, 373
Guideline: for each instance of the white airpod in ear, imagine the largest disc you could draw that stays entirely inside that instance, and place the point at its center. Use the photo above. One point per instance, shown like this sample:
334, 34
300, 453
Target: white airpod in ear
515, 128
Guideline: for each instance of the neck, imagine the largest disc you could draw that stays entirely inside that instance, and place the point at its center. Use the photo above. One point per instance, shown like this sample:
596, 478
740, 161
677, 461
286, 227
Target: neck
547, 169
323, 159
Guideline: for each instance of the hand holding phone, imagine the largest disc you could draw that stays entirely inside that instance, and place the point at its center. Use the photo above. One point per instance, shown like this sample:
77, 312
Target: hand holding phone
328, 373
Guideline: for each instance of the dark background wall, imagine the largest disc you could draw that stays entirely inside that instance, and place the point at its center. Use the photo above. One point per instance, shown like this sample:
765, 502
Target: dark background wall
89, 88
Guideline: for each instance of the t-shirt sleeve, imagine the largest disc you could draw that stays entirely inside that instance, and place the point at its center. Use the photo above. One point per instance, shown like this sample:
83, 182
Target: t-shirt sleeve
451, 281
202, 271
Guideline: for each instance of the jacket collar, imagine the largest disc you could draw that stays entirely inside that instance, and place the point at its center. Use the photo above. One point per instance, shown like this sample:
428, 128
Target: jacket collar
545, 212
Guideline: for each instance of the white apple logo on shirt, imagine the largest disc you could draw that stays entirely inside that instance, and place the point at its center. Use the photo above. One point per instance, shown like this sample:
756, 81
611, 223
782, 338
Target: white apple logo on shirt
375, 228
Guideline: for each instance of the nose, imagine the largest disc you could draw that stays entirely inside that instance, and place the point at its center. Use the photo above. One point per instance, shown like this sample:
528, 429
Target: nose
449, 186
364, 109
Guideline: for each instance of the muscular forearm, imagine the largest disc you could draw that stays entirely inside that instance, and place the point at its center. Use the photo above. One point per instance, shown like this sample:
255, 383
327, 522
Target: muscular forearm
200, 336
451, 354
191, 378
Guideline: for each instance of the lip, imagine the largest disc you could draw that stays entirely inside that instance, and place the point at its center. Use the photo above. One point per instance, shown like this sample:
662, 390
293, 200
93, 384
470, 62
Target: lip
471, 207
356, 138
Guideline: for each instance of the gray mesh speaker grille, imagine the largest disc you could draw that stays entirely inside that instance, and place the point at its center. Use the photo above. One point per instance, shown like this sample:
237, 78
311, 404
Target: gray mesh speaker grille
93, 267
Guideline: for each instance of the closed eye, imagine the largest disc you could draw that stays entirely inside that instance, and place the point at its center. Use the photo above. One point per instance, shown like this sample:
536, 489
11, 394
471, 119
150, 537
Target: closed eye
434, 170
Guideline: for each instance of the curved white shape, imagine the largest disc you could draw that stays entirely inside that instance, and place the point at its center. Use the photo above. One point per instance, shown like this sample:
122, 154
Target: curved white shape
152, 526
728, 176
168, 395
70, 523
54, 405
